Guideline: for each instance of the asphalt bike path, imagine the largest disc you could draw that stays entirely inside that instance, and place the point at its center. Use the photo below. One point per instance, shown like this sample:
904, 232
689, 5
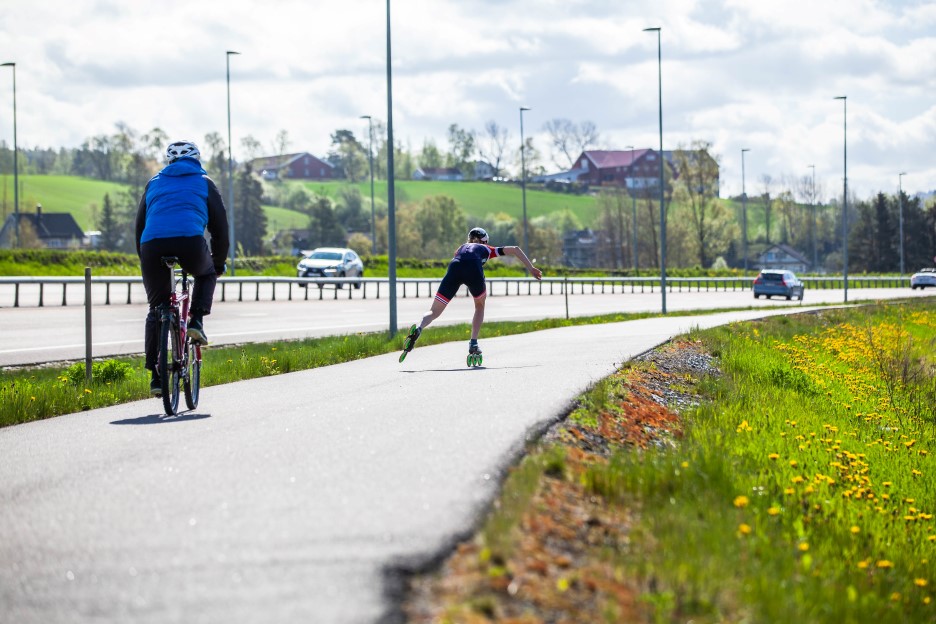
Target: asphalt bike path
286, 498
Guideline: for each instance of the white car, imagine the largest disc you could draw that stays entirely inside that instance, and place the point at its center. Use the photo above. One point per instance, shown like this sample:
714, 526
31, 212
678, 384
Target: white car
331, 262
923, 278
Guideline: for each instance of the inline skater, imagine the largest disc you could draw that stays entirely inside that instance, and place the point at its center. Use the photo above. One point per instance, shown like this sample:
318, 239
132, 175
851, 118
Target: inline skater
178, 204
467, 268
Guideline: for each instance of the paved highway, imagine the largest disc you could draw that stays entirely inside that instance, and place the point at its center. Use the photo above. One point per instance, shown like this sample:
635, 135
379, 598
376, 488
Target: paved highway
288, 498
31, 335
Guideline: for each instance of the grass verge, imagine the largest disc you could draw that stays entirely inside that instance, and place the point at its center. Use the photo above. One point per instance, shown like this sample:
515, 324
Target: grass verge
786, 480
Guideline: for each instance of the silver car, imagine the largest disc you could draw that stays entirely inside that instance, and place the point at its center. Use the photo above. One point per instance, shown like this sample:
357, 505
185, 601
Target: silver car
331, 262
772, 282
923, 278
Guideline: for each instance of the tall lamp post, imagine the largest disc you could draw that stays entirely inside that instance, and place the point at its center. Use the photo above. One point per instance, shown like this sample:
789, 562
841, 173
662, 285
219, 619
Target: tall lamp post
391, 211
844, 99
812, 197
633, 211
526, 246
233, 252
900, 199
15, 161
370, 158
657, 30
744, 210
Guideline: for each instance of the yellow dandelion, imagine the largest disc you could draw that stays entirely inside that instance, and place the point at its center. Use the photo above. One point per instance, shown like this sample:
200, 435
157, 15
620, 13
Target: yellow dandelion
931, 538
789, 491
87, 391
855, 529
744, 529
916, 473
741, 501
773, 456
32, 398
909, 501
884, 563
793, 463
803, 546
920, 582
797, 479
895, 596
562, 584
887, 484
773, 511
926, 600
685, 464
863, 564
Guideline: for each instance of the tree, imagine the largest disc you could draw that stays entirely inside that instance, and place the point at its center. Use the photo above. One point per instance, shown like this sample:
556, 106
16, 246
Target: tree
441, 225
766, 182
348, 156
615, 220
492, 149
430, 157
350, 210
569, 139
324, 229
281, 143
111, 232
250, 221
215, 159
697, 188
251, 147
461, 148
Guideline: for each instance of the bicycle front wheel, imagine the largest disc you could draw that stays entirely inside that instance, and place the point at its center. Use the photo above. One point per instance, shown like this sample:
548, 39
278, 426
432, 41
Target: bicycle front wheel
191, 381
169, 359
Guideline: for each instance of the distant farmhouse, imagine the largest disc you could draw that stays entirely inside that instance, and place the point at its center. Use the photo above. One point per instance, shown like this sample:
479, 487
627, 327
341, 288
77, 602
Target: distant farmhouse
54, 230
782, 257
631, 169
300, 166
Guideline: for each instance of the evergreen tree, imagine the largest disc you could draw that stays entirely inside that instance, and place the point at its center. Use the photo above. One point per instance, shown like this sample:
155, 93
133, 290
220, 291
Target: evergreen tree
111, 232
250, 222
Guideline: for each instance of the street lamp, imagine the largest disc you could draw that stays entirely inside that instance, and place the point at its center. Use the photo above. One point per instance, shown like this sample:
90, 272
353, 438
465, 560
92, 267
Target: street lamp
523, 179
370, 158
15, 160
844, 99
900, 199
744, 210
812, 197
662, 209
227, 58
391, 211
633, 211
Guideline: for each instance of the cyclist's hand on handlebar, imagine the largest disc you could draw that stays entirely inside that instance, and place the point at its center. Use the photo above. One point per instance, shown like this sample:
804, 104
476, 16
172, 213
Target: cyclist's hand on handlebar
221, 270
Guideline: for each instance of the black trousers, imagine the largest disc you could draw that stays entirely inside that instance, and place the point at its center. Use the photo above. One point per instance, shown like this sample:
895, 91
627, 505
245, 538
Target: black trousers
193, 255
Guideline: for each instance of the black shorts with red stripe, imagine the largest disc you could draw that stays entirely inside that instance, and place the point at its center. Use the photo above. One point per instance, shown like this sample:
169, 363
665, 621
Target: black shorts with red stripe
462, 272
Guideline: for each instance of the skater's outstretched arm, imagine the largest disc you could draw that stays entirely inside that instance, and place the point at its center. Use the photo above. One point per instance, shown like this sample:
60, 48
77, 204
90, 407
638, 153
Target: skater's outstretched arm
516, 252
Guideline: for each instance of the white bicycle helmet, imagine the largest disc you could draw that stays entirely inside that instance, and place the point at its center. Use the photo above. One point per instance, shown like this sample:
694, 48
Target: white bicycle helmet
479, 233
182, 149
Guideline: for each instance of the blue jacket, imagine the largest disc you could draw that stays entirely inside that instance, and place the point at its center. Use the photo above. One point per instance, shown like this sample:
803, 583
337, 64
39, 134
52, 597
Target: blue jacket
181, 200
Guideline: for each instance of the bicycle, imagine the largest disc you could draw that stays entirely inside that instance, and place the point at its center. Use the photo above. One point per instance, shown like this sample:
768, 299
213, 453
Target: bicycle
180, 359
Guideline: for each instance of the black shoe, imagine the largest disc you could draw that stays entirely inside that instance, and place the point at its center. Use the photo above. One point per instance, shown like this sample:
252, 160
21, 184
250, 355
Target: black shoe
155, 385
197, 332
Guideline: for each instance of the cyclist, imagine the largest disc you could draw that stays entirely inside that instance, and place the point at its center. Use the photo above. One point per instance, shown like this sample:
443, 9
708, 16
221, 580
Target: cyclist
178, 203
467, 268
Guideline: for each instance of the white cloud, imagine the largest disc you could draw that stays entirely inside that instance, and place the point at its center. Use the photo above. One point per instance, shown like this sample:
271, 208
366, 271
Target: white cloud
738, 73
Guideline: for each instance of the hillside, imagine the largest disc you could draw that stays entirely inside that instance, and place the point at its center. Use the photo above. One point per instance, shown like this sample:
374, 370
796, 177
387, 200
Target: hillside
83, 198
477, 199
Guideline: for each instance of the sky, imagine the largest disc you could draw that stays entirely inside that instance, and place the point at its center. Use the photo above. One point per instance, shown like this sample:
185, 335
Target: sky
755, 74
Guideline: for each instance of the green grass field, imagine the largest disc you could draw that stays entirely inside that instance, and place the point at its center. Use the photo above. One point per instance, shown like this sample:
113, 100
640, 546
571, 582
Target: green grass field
477, 199
83, 198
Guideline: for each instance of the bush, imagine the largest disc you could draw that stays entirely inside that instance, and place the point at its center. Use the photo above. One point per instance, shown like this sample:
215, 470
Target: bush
110, 371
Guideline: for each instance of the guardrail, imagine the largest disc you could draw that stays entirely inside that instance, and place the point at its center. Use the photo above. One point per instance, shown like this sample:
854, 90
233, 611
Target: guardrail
110, 290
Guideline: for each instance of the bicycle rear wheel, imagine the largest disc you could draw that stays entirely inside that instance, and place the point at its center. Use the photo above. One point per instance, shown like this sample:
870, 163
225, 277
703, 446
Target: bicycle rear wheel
191, 381
169, 358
